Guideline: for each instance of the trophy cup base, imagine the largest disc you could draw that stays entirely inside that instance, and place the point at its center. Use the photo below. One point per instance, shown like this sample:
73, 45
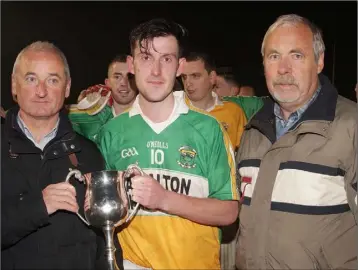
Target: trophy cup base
108, 231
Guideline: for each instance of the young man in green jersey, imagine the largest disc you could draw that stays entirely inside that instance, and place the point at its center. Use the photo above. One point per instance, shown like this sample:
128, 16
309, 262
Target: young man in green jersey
123, 92
189, 187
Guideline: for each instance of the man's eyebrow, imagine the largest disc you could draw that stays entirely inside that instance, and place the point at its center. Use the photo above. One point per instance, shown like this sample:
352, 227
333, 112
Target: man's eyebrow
55, 74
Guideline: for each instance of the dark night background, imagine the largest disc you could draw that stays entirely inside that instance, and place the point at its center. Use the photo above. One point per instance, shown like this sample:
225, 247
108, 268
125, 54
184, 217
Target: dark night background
92, 33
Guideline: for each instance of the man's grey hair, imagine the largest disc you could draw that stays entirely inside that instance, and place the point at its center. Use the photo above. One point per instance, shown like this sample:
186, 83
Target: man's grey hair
293, 19
43, 46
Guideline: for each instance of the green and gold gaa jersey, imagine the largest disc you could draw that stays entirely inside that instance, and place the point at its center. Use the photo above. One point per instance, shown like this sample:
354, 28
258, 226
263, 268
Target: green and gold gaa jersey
189, 154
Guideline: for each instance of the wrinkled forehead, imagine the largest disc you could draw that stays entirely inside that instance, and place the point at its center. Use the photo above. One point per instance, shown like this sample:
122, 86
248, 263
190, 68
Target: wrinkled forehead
41, 61
290, 36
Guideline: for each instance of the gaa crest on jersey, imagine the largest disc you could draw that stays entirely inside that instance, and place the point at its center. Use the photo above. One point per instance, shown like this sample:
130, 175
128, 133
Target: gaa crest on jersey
187, 157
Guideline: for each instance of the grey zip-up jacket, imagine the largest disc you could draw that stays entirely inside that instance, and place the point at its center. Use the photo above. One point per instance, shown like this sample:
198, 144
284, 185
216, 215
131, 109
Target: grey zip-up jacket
299, 193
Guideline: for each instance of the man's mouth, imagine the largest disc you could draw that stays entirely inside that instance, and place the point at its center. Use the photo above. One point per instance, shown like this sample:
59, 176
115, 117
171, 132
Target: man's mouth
156, 82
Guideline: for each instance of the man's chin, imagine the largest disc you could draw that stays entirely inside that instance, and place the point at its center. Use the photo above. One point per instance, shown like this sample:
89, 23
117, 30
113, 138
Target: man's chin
282, 98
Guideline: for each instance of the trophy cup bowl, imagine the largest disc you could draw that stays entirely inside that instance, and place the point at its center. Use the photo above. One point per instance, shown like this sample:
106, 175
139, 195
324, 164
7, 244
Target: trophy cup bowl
106, 203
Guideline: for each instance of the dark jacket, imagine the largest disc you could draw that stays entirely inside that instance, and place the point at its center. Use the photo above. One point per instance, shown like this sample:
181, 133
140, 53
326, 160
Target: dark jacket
30, 238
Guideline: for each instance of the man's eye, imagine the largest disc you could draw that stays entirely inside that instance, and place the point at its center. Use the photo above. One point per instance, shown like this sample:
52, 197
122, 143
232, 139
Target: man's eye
297, 56
145, 57
273, 57
53, 81
30, 79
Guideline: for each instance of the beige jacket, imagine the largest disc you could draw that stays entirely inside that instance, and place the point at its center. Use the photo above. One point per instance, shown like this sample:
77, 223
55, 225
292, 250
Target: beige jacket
299, 193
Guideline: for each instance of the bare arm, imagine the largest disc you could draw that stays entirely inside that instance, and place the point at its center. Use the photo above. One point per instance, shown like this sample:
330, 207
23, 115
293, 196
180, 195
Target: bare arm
207, 211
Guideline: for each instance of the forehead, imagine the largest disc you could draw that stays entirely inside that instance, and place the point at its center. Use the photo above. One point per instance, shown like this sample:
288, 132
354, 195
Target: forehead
37, 62
289, 37
193, 66
159, 46
118, 67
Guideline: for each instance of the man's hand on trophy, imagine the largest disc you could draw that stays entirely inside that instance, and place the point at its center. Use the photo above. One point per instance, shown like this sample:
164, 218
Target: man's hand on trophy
61, 196
94, 89
148, 192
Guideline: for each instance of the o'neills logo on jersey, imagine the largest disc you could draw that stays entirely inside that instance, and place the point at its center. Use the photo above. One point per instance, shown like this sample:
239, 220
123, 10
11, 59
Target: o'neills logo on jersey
187, 157
129, 152
157, 144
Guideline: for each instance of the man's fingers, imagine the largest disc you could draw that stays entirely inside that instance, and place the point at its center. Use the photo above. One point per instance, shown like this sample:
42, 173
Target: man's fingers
64, 205
63, 193
65, 199
64, 186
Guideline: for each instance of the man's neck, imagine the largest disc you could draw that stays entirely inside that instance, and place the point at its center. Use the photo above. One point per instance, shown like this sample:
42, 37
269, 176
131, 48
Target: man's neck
39, 127
287, 109
120, 108
206, 103
157, 111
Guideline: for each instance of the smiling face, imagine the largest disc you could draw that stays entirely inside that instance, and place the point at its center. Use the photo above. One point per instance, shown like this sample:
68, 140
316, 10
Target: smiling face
156, 67
117, 80
290, 66
40, 84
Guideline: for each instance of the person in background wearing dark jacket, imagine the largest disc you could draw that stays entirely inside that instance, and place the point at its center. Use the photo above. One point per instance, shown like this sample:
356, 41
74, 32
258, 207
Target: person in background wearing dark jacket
39, 225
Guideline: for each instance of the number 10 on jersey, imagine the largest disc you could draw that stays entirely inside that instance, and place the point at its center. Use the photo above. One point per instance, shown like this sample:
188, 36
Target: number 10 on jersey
156, 156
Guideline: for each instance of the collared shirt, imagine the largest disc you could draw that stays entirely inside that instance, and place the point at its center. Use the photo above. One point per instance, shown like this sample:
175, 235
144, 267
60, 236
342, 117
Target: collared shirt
217, 102
45, 140
282, 125
230, 115
180, 107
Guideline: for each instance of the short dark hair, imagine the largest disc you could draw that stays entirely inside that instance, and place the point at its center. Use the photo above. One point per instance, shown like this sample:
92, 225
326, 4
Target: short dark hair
159, 27
209, 63
119, 58
228, 74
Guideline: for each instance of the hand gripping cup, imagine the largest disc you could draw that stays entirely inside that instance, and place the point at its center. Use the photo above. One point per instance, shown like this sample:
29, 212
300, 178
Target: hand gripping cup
106, 203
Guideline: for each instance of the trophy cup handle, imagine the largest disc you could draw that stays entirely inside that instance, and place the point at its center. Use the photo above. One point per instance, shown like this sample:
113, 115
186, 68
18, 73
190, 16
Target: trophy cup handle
79, 176
128, 172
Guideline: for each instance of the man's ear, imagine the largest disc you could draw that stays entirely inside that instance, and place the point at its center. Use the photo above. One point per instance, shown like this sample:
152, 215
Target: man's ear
130, 63
180, 66
13, 87
212, 77
320, 64
106, 82
68, 87
235, 90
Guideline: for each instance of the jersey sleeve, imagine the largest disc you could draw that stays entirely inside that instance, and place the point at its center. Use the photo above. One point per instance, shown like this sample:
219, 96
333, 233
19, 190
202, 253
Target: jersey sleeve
221, 167
241, 123
250, 105
106, 143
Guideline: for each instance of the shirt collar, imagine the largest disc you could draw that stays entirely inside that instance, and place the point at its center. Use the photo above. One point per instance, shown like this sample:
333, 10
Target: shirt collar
217, 102
48, 137
113, 111
180, 107
297, 114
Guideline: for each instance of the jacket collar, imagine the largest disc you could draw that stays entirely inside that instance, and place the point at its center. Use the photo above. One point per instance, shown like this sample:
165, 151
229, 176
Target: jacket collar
323, 109
19, 143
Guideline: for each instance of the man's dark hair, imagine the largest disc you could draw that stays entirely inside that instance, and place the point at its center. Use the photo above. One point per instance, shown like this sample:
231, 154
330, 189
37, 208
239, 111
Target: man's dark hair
144, 33
208, 61
228, 75
121, 58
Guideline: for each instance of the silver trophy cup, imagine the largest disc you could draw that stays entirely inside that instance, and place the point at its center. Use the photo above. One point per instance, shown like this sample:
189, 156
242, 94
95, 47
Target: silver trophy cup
106, 203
